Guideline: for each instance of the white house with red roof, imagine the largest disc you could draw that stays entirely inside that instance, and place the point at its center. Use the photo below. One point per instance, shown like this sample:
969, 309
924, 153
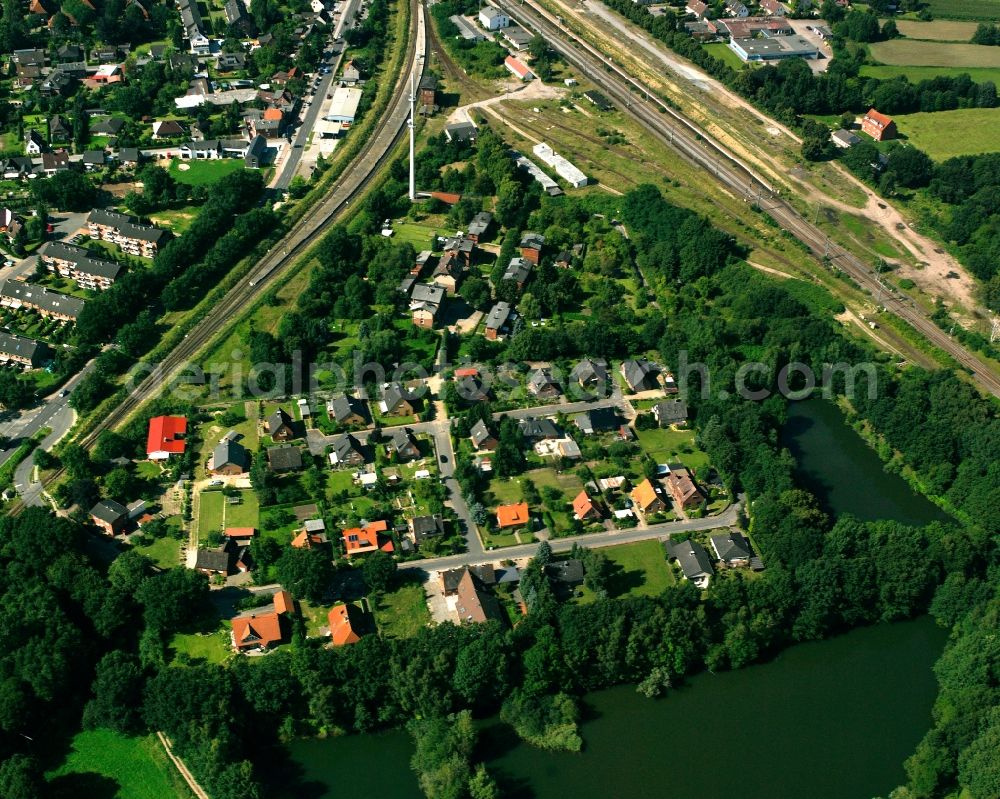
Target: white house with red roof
166, 437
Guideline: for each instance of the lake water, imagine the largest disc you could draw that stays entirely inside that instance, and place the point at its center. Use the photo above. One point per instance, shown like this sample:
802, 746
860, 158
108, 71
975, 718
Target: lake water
844, 473
829, 720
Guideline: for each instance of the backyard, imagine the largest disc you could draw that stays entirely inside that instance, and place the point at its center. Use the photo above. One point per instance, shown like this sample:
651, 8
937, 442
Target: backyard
403, 612
639, 569
137, 767
665, 446
204, 173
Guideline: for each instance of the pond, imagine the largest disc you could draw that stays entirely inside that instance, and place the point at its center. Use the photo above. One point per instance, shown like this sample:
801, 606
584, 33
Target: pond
844, 473
829, 720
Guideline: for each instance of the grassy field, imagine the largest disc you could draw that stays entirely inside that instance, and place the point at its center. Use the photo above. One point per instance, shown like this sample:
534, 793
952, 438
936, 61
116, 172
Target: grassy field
401, 613
639, 569
213, 647
724, 54
419, 233
905, 52
966, 9
164, 552
940, 30
507, 491
178, 220
211, 505
917, 74
246, 514
666, 446
138, 767
935, 133
204, 173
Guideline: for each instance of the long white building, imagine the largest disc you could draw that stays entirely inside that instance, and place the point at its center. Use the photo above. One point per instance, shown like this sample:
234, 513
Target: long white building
343, 106
563, 168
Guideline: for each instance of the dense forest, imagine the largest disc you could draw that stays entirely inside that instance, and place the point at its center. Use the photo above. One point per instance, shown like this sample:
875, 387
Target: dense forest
108, 626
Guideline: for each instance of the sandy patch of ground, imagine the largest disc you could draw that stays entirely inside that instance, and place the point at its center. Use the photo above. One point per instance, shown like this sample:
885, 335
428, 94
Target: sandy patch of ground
182, 167
532, 90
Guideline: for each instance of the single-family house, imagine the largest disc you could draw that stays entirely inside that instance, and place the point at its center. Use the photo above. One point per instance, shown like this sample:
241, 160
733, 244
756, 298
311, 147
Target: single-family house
597, 420
531, 246
584, 508
639, 374
683, 488
167, 129
284, 459
229, 458
34, 142
94, 159
694, 562
401, 445
345, 622
479, 226
648, 498
565, 573
878, 126
346, 451
214, 561
367, 538
670, 412
279, 425
312, 535
481, 436
492, 18
697, 8
474, 604
263, 627
543, 385
166, 437
396, 400
513, 515
732, 548
109, 516
590, 373
55, 162
534, 429
496, 324
347, 410
420, 528
425, 304
844, 139
518, 271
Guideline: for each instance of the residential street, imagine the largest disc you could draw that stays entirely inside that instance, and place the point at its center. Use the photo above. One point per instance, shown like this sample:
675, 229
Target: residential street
727, 518
29, 489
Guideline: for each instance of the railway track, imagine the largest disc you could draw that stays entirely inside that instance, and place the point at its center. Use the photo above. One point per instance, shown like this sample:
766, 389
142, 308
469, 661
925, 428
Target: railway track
356, 178
693, 144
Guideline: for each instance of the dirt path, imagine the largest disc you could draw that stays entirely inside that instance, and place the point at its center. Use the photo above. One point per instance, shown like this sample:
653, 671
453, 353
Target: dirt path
192, 783
533, 90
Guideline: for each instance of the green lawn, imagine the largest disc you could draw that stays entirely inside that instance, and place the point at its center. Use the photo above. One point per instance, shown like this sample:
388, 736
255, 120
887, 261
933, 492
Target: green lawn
178, 220
935, 133
403, 612
507, 491
906, 52
640, 569
665, 446
966, 9
724, 54
138, 766
246, 514
204, 173
419, 233
164, 552
214, 647
210, 512
341, 480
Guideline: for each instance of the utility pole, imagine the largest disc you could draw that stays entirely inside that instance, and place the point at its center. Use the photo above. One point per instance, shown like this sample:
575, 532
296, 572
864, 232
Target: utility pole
413, 185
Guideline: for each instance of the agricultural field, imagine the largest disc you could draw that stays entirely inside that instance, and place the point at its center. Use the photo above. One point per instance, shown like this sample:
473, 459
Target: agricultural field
987, 10
106, 764
906, 52
917, 74
934, 133
940, 30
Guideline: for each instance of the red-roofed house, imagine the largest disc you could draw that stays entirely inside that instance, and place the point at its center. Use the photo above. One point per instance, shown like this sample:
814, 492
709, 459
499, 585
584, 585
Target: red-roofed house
518, 68
362, 540
343, 621
263, 627
516, 515
878, 126
166, 437
584, 508
241, 535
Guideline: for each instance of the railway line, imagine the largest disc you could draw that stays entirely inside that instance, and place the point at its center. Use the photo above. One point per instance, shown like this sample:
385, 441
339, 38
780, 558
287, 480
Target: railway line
356, 178
693, 144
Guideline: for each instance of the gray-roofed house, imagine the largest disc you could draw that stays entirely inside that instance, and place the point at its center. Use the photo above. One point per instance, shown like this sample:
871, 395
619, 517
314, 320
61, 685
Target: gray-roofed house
531, 246
420, 528
110, 516
542, 384
229, 458
284, 459
256, 155
425, 304
279, 425
214, 561
732, 548
694, 562
129, 156
670, 412
346, 451
597, 420
450, 578
237, 17
479, 225
481, 436
230, 62
496, 321
534, 429
461, 131
590, 373
34, 142
59, 131
396, 400
347, 410
567, 572
639, 374
94, 159
401, 445
518, 270
844, 138
167, 129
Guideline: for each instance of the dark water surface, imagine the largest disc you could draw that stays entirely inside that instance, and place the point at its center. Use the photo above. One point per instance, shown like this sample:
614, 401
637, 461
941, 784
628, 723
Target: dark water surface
846, 474
827, 720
